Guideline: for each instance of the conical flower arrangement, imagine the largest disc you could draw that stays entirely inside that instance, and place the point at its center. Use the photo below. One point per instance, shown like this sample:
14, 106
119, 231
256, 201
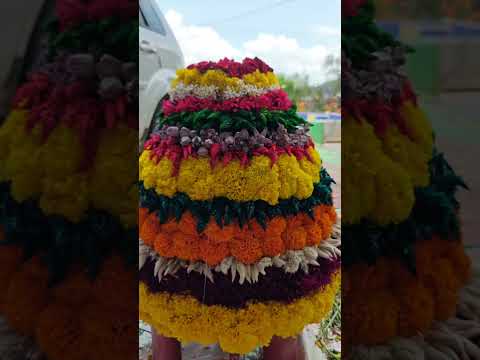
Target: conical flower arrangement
236, 214
404, 261
68, 225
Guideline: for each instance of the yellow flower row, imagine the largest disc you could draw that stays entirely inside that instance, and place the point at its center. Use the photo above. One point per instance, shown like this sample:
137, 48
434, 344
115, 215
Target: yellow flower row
48, 171
257, 181
223, 81
381, 173
236, 330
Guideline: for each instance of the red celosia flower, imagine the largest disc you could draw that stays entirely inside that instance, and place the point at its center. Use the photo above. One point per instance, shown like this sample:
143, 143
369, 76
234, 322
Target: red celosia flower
73, 12
350, 7
233, 68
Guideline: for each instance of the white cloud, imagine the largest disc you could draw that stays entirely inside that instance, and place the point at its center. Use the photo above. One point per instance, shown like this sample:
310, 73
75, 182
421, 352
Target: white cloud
283, 53
326, 31
199, 43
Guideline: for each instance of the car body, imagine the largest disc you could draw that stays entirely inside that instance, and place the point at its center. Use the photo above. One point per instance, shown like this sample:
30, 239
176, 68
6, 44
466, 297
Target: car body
159, 58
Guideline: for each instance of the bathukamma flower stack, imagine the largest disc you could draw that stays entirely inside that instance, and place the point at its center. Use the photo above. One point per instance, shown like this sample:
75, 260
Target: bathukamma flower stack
68, 191
404, 261
236, 212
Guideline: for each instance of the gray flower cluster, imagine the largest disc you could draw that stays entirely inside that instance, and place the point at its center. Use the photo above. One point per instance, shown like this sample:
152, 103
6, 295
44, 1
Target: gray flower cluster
239, 141
382, 78
111, 76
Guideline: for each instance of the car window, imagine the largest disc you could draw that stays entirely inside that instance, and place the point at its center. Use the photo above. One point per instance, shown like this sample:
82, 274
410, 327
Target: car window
151, 18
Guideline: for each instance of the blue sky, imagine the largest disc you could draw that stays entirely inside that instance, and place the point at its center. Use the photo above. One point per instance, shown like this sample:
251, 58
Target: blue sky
294, 36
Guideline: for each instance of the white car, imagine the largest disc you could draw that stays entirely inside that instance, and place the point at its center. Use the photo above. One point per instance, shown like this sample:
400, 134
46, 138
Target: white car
159, 58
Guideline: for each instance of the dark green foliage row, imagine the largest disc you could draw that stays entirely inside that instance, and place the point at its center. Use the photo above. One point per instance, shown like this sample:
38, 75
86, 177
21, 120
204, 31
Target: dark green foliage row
226, 211
111, 36
234, 121
434, 213
62, 243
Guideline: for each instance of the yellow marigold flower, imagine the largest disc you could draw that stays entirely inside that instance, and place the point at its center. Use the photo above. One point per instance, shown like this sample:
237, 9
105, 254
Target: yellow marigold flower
49, 170
419, 125
222, 80
411, 156
67, 197
258, 181
236, 330
372, 176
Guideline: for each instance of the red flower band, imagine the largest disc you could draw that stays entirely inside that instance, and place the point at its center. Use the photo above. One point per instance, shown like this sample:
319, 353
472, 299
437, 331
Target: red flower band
272, 100
350, 7
73, 12
233, 68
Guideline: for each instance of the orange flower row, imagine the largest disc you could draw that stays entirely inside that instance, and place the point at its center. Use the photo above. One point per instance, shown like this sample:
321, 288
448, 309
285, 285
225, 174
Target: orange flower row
387, 300
68, 318
248, 244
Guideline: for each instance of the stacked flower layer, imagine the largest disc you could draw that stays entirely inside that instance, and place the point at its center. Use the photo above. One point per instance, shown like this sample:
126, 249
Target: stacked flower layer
224, 82
231, 183
275, 285
387, 300
388, 167
50, 170
226, 87
236, 330
260, 180
248, 244
51, 315
271, 100
404, 258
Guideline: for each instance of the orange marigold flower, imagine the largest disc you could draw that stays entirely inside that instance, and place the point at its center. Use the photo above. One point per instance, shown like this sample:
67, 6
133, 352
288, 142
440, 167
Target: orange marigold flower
400, 274
461, 263
424, 257
170, 227
10, 260
142, 216
296, 238
150, 229
332, 213
27, 296
273, 246
187, 224
326, 225
445, 286
218, 234
115, 285
378, 318
186, 246
246, 250
276, 226
294, 222
213, 253
314, 234
164, 245
75, 289
416, 309
319, 212
59, 332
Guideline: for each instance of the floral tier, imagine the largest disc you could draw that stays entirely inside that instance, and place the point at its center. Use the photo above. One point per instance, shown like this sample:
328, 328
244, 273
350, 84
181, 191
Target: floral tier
404, 261
68, 240
236, 212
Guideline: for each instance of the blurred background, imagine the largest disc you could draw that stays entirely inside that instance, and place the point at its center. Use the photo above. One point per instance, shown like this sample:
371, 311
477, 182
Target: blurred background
445, 72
